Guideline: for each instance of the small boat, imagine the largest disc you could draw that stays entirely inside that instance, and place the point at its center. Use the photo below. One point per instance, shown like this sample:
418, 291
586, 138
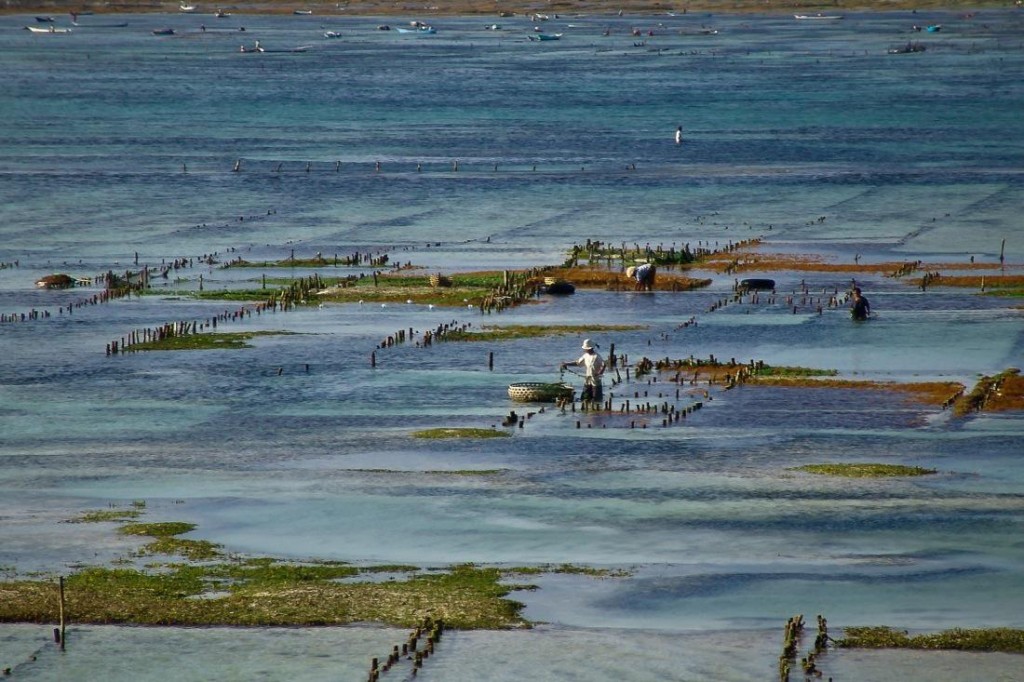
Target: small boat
50, 29
934, 28
163, 31
759, 284
303, 12
331, 34
492, 27
420, 30
545, 36
383, 27
258, 49
45, 20
187, 8
221, 14
123, 24
819, 17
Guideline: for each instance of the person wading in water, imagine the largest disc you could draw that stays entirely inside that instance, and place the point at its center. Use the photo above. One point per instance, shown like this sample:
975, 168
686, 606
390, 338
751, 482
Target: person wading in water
593, 363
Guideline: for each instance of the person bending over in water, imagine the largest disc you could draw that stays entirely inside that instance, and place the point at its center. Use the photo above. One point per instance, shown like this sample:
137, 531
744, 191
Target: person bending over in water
643, 274
861, 308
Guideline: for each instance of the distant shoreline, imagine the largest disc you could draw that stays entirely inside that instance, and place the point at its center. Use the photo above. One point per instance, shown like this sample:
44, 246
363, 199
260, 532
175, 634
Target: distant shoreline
481, 8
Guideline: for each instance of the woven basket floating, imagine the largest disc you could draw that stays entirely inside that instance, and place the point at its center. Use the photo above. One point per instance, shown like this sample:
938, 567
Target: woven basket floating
538, 392
550, 280
440, 281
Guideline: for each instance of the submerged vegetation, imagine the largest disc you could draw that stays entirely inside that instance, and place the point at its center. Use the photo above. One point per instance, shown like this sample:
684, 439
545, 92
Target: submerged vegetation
454, 432
165, 540
1002, 392
568, 569
205, 341
757, 373
265, 592
1006, 640
211, 588
107, 515
864, 470
511, 332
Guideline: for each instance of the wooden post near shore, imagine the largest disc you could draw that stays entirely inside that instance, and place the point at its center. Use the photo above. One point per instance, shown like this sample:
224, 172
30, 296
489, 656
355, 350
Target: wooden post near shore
62, 623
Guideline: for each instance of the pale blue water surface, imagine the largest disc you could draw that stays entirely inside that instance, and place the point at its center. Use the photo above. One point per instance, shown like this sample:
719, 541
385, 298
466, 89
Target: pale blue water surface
116, 142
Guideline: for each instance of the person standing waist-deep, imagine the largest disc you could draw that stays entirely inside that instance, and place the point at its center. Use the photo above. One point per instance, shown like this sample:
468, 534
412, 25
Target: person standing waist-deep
861, 307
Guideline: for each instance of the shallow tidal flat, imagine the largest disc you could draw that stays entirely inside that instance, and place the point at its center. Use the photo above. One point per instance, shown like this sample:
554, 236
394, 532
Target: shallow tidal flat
261, 312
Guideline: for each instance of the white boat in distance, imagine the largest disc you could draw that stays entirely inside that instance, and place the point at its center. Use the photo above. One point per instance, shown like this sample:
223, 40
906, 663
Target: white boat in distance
187, 8
819, 17
50, 29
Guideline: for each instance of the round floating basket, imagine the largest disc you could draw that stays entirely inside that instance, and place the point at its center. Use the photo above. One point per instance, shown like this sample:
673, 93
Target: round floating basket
538, 392
550, 280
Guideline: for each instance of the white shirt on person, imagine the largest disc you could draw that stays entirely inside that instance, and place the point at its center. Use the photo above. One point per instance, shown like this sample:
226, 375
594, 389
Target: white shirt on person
594, 365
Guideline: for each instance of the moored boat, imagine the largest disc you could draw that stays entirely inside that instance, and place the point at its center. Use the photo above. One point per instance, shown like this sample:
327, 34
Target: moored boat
50, 29
163, 31
819, 17
123, 24
756, 283
259, 49
545, 36
420, 30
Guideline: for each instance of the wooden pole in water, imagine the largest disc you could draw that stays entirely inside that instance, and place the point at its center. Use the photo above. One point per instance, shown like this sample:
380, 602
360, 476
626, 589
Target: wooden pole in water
62, 623
490, 360
1002, 251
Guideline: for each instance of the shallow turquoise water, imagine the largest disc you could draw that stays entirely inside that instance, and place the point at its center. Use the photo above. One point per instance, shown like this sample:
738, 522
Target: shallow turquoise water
118, 142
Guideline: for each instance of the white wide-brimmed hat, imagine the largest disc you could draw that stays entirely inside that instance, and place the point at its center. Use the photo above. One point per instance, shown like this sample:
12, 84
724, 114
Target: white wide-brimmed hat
586, 345
630, 271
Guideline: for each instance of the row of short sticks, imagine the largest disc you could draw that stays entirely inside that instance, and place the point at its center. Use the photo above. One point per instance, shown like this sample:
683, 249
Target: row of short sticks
410, 650
792, 634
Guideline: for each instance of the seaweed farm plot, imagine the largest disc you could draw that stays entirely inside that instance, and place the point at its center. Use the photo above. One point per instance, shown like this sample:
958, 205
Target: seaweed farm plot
324, 462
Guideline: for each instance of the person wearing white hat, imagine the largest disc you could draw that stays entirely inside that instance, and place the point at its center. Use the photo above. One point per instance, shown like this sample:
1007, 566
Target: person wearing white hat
593, 364
643, 274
